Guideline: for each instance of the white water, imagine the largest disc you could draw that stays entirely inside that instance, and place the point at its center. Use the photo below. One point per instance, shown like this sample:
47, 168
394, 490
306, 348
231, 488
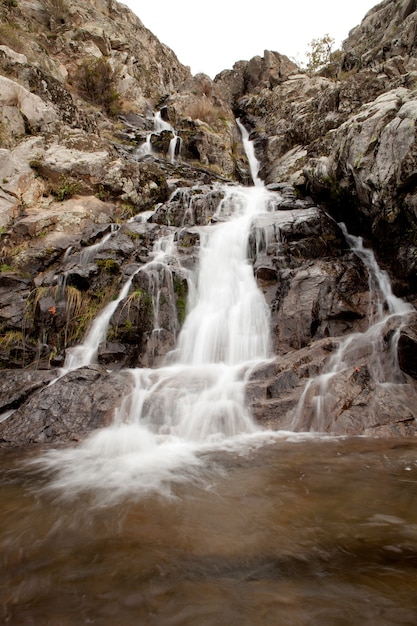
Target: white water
315, 409
88, 254
254, 164
85, 353
199, 398
159, 126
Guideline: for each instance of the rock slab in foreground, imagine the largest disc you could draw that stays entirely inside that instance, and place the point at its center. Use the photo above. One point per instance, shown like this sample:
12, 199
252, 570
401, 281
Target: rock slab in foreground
69, 409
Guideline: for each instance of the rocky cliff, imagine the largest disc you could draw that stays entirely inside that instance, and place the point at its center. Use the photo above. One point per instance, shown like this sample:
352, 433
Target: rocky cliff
348, 135
109, 146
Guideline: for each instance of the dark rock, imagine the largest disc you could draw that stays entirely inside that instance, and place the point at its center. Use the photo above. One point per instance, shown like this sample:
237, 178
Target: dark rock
14, 291
160, 142
68, 410
112, 354
17, 386
189, 206
407, 350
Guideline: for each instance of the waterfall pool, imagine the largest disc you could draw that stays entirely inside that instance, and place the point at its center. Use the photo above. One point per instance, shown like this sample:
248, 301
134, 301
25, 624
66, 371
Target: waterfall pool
305, 532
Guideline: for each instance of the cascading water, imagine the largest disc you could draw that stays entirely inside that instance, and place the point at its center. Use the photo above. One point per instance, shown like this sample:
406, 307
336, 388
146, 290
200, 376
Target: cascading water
159, 126
199, 396
175, 143
85, 353
87, 255
315, 410
250, 153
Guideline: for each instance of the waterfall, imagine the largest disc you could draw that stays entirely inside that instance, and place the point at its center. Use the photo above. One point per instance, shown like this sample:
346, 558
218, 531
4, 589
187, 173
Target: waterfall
87, 255
315, 409
161, 125
85, 353
175, 143
229, 320
198, 396
254, 164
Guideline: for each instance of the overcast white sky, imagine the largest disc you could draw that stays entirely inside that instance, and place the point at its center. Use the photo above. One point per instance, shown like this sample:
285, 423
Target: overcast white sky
211, 36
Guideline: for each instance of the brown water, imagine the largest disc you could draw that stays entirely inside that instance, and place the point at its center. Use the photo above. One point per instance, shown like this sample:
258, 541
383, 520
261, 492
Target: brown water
307, 533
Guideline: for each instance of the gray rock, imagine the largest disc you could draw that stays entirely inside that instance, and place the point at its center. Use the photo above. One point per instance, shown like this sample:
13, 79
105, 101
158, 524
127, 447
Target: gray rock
68, 410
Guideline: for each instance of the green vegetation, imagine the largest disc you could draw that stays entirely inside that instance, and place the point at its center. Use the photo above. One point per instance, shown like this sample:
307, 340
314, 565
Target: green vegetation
96, 81
35, 163
319, 53
66, 188
9, 4
11, 36
110, 266
134, 317
128, 210
4, 267
13, 346
70, 314
180, 290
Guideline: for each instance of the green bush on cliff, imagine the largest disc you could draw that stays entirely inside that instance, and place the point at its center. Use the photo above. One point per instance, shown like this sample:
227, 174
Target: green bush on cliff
65, 189
96, 81
319, 53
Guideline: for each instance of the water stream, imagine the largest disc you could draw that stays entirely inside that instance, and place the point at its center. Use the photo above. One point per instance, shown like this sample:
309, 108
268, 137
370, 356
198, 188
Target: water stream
159, 126
89, 252
316, 406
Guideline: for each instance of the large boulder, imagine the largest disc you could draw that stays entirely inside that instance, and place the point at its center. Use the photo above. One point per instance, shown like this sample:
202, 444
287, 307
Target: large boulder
20, 188
67, 410
373, 161
23, 111
252, 76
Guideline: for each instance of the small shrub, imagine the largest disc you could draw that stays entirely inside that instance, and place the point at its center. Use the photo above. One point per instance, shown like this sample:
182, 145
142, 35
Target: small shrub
35, 163
66, 188
109, 266
202, 109
319, 53
96, 81
58, 11
13, 38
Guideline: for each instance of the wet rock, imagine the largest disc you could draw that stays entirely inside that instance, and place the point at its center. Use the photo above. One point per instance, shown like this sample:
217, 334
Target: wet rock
112, 354
14, 291
274, 389
189, 206
17, 386
407, 350
68, 410
160, 142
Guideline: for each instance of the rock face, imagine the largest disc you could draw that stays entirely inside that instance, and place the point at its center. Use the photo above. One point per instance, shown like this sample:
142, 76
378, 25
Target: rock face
92, 395
112, 154
350, 140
